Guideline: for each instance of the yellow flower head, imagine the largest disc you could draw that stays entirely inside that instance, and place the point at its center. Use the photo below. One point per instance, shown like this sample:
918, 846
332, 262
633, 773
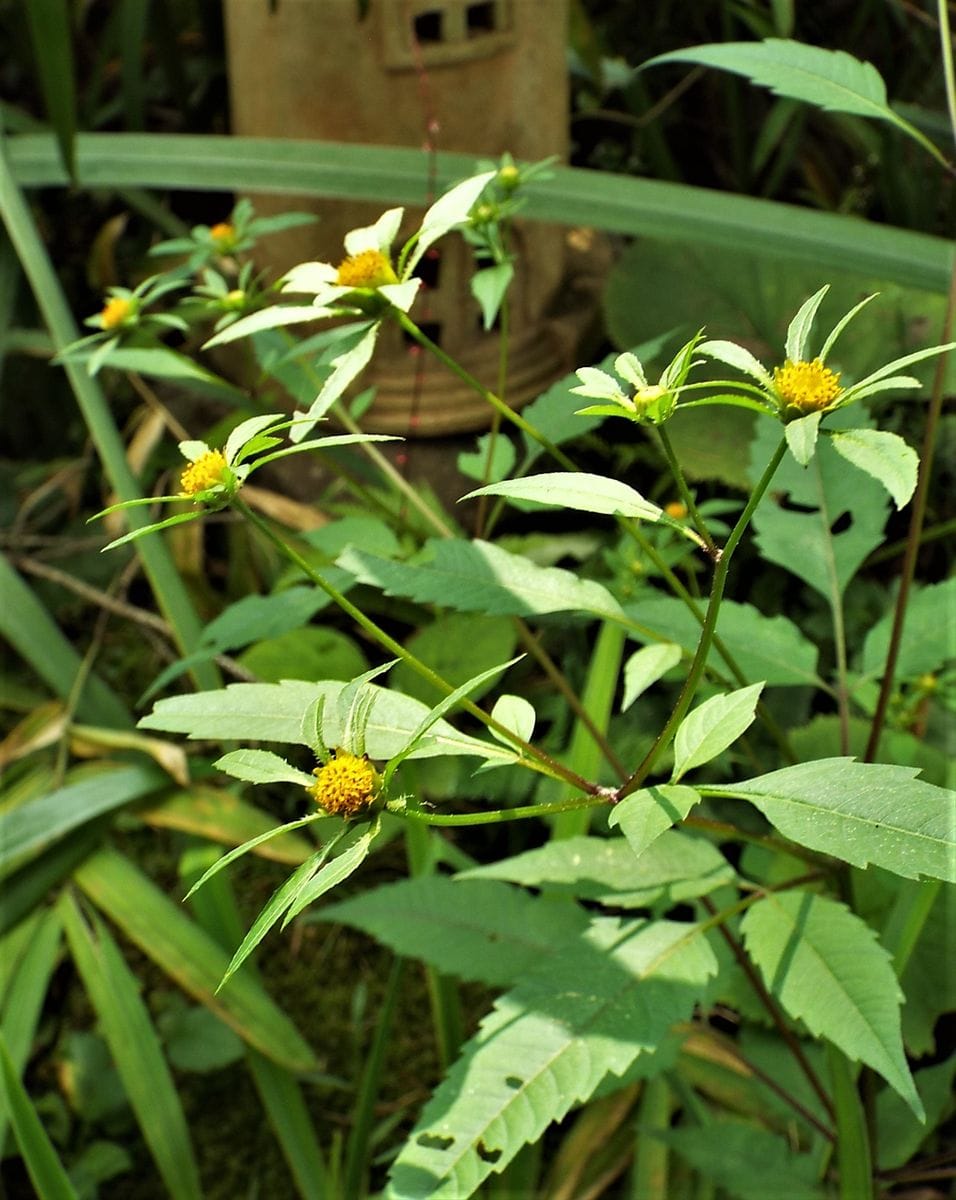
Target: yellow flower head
115, 311
223, 234
345, 784
370, 269
204, 473
676, 509
807, 386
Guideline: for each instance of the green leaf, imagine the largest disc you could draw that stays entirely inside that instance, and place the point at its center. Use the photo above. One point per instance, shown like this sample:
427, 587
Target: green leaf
929, 992
646, 814
712, 727
311, 652
31, 828
158, 362
883, 455
40, 1159
645, 667
198, 1041
346, 368
476, 465
928, 640
473, 929
802, 437
516, 714
597, 199
799, 328
829, 79
489, 287
578, 491
261, 766
276, 317
219, 816
862, 812
799, 537
135, 1048
480, 577
826, 967
576, 1017
898, 1133
274, 712
677, 867
52, 38
334, 872
190, 957
745, 1160
448, 211
458, 647
768, 648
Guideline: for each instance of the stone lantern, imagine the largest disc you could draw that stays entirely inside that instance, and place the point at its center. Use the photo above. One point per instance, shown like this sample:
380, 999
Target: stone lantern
476, 76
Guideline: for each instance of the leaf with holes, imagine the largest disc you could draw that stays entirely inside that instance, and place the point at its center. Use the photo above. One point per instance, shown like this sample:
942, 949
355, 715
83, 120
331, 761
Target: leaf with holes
826, 967
861, 812
593, 1010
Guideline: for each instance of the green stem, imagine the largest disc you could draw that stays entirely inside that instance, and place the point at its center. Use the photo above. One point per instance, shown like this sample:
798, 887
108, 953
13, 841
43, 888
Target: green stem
836, 611
917, 518
649, 1175
684, 490
536, 759
493, 816
409, 326
949, 74
686, 696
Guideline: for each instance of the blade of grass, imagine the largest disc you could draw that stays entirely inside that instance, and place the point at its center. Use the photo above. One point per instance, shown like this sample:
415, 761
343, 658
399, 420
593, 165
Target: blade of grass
598, 199
24, 1000
191, 957
134, 18
32, 884
216, 911
135, 1048
31, 631
52, 40
168, 586
42, 1163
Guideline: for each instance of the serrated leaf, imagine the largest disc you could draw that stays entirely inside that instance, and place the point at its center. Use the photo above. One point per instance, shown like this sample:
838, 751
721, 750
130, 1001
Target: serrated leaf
712, 727
929, 639
830, 79
474, 929
645, 667
261, 766
768, 648
736, 356
590, 1011
862, 812
826, 967
646, 814
676, 867
883, 455
802, 437
273, 712
745, 1161
459, 647
480, 577
800, 536
336, 871
576, 490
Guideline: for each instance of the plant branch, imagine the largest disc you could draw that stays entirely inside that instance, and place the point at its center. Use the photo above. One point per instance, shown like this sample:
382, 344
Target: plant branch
686, 696
917, 518
685, 494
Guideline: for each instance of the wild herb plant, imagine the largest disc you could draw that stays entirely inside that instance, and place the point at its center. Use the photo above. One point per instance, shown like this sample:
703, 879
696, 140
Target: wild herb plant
767, 866
712, 870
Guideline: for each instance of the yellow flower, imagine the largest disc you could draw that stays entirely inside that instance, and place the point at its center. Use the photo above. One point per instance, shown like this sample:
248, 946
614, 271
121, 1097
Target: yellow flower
204, 473
115, 311
807, 386
345, 784
676, 509
223, 235
369, 269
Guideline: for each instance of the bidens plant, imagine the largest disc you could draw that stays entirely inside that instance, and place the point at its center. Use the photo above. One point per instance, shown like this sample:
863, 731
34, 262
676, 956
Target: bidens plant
705, 850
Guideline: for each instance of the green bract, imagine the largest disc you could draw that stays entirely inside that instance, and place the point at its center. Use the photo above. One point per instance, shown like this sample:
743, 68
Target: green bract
640, 401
